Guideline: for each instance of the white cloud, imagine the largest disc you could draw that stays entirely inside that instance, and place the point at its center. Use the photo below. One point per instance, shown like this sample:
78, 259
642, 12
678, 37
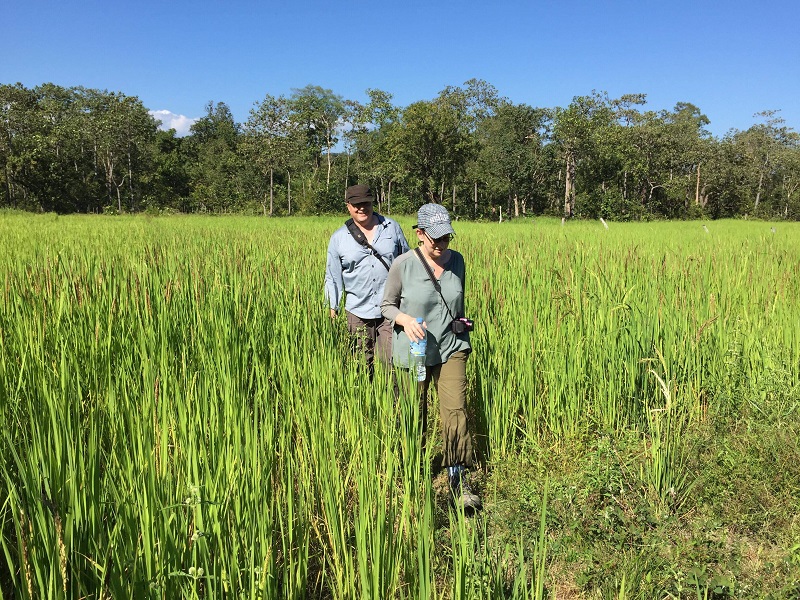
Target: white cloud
169, 120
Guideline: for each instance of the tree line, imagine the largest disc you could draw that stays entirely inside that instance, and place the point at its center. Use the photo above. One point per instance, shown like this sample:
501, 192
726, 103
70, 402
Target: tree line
85, 150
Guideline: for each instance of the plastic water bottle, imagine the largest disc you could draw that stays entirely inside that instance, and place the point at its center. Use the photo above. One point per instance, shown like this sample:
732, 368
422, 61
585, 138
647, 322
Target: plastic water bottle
418, 350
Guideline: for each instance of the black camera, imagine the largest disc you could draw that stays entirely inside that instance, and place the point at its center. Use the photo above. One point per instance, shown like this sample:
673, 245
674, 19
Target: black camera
461, 325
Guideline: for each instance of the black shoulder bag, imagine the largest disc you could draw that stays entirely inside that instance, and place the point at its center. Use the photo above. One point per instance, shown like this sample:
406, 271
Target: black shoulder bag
359, 236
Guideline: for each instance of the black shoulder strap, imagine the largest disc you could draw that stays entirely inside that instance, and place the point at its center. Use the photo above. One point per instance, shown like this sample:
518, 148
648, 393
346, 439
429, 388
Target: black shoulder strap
359, 236
434, 281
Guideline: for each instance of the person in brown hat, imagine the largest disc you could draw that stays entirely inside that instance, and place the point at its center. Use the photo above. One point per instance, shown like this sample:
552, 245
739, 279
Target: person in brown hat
359, 256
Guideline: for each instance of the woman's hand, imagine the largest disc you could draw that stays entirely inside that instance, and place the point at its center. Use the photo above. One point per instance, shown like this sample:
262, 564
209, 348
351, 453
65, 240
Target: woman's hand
415, 331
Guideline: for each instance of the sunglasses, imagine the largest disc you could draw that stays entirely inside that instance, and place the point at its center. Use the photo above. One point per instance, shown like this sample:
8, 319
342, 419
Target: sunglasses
445, 239
361, 205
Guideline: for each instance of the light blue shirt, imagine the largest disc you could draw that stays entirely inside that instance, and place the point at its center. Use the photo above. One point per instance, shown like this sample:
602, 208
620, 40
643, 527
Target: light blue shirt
354, 271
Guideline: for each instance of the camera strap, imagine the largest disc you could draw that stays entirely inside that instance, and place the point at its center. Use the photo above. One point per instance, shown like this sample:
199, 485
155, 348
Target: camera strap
359, 236
434, 281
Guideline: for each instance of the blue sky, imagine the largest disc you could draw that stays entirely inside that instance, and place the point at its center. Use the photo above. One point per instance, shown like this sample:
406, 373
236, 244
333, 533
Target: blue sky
731, 59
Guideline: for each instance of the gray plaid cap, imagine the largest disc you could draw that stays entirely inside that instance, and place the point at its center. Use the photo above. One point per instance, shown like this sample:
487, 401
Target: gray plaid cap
434, 220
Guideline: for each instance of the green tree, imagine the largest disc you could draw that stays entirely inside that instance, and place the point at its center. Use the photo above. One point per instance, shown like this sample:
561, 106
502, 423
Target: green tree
65, 179
271, 142
170, 183
63, 149
688, 148
512, 157
760, 148
124, 132
375, 128
432, 147
642, 149
318, 112
471, 104
18, 143
789, 173
216, 169
724, 188
577, 131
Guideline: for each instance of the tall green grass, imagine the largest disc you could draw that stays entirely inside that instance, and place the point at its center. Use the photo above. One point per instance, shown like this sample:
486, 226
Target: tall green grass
180, 418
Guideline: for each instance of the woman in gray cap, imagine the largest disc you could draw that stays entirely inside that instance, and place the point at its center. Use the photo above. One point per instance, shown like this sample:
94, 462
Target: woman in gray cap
429, 283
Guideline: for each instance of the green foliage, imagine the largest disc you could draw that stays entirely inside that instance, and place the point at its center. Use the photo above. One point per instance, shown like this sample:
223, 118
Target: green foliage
511, 150
83, 150
215, 163
74, 149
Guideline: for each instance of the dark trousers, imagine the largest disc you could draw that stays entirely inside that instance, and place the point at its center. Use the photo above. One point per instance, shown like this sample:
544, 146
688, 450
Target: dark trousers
371, 337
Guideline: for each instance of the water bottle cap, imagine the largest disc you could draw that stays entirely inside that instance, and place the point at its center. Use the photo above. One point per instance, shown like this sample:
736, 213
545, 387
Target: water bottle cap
419, 319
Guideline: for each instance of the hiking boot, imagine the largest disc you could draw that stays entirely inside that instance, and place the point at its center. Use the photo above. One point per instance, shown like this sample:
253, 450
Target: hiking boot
463, 496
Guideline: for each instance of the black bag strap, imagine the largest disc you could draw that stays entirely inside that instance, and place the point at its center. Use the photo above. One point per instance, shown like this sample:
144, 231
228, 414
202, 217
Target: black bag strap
359, 236
434, 281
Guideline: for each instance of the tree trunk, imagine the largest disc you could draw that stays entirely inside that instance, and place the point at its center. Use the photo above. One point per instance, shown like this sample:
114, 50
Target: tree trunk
289, 189
790, 190
454, 198
516, 204
475, 198
130, 183
271, 192
758, 193
625, 186
569, 186
389, 199
653, 188
346, 174
10, 190
697, 188
328, 179
704, 197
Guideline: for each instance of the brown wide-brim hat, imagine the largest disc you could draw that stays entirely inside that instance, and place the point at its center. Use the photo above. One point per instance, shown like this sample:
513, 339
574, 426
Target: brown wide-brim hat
359, 193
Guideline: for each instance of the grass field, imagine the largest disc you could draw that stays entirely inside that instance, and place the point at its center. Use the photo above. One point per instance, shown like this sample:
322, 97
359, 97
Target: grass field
181, 420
